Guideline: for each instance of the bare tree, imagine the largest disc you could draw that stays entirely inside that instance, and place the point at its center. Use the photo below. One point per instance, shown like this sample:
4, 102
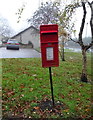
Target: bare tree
47, 13
83, 46
5, 28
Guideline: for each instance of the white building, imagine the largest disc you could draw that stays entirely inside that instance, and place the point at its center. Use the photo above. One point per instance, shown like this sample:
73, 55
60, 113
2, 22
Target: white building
31, 35
1, 37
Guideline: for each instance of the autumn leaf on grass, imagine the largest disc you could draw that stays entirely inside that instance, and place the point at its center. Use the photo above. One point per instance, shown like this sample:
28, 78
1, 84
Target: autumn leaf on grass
31, 89
10, 93
78, 99
34, 75
22, 86
81, 85
61, 95
87, 108
22, 95
79, 94
36, 108
66, 111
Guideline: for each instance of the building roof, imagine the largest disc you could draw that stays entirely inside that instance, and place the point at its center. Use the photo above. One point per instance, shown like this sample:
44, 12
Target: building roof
25, 30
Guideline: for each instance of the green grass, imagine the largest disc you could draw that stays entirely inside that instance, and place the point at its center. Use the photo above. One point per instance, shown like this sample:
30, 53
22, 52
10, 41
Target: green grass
25, 83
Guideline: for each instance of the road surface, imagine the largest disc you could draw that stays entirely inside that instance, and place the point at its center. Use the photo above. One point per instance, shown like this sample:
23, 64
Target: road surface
21, 53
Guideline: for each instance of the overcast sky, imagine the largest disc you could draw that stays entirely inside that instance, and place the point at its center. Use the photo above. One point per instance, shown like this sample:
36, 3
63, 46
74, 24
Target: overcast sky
9, 8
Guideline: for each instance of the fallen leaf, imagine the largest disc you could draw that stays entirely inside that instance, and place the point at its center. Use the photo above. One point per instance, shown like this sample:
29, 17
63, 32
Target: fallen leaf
22, 86
31, 89
78, 99
36, 108
66, 110
87, 110
34, 75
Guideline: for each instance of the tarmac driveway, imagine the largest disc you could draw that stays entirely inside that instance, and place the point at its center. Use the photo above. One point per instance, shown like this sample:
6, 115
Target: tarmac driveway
21, 53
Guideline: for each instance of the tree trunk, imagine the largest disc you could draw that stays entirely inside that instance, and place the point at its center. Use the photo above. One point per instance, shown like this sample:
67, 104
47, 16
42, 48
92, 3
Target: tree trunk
84, 66
63, 57
62, 54
62, 50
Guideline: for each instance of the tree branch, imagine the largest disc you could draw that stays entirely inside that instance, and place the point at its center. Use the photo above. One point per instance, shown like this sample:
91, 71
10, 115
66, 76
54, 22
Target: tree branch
73, 40
91, 20
91, 25
82, 25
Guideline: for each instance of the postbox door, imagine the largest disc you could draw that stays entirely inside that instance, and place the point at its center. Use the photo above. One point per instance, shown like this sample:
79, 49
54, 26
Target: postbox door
50, 55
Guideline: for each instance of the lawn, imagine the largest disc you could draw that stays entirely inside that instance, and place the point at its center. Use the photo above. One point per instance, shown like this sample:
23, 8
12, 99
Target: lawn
26, 88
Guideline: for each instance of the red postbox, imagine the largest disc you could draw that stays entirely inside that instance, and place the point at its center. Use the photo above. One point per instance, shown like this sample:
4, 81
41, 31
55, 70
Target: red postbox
49, 45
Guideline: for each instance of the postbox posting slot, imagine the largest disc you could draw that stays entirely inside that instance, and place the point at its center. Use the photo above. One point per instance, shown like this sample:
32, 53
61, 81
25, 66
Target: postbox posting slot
49, 32
49, 44
49, 36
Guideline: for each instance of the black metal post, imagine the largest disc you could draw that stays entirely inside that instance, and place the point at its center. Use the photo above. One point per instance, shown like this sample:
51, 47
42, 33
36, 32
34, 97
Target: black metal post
51, 85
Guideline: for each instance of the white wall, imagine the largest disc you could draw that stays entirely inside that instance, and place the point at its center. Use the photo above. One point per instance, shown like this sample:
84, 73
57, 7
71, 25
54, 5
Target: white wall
1, 37
29, 35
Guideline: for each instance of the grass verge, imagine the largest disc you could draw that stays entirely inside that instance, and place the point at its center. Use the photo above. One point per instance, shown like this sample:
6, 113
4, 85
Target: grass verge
25, 86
